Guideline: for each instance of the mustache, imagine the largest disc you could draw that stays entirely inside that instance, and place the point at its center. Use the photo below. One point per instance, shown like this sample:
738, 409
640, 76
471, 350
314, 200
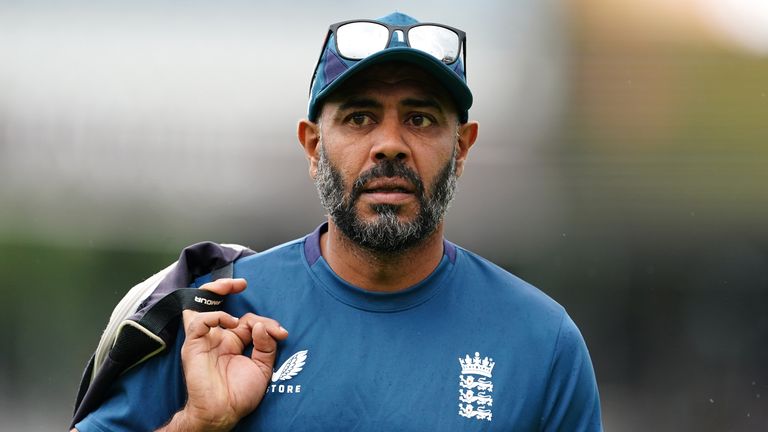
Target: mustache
387, 169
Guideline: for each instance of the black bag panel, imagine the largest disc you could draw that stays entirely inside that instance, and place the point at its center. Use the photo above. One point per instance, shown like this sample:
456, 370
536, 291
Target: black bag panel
154, 325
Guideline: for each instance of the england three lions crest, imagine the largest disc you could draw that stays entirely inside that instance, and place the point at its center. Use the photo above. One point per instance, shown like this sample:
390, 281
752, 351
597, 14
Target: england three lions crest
476, 387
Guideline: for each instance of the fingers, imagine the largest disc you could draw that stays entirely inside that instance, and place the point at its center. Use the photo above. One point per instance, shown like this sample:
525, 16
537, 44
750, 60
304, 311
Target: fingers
266, 325
198, 324
264, 334
226, 286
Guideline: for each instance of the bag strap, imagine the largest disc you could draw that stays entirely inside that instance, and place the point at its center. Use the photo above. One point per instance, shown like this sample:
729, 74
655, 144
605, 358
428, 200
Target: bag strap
138, 340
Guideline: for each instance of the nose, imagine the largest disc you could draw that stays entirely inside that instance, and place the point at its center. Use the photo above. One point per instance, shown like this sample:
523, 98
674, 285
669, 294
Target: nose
389, 143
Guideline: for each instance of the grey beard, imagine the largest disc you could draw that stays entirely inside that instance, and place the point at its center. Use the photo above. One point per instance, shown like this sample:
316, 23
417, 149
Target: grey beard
386, 234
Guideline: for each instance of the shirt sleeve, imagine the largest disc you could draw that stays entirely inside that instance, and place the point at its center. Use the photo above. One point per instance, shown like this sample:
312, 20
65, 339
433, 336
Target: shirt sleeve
144, 398
572, 402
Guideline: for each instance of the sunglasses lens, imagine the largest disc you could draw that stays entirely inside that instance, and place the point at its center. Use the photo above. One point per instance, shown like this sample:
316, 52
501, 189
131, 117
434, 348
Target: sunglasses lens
441, 42
358, 40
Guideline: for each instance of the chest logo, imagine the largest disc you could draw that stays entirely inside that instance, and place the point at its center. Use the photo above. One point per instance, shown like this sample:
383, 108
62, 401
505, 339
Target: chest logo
288, 370
476, 387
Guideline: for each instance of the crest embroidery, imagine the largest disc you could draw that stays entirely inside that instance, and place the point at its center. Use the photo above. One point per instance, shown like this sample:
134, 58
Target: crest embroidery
476, 387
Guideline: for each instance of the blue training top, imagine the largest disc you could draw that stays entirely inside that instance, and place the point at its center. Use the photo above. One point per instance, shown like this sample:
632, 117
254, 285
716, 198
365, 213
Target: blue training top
471, 347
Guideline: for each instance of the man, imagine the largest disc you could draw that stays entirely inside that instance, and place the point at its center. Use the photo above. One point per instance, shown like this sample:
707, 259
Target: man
392, 327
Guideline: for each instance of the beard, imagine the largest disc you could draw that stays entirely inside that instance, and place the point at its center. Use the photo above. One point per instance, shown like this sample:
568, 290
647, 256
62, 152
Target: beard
386, 234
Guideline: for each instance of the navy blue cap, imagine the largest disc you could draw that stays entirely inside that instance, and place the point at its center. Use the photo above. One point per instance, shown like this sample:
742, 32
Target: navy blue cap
333, 69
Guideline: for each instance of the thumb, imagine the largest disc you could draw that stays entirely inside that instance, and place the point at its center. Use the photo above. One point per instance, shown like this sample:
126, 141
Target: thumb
226, 286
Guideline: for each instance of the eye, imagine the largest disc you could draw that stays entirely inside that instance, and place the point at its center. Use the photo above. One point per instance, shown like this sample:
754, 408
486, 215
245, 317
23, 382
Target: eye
420, 120
359, 119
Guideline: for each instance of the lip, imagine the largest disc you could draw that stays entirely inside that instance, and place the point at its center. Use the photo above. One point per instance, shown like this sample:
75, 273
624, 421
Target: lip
389, 185
388, 191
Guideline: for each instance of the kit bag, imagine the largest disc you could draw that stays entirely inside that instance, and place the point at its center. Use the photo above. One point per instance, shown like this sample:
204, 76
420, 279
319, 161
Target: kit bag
146, 321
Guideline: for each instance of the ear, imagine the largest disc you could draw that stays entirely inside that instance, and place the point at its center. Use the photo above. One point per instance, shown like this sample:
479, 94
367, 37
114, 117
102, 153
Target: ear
467, 134
309, 138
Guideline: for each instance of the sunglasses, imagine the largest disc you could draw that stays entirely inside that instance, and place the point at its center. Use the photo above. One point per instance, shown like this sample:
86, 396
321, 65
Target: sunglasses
357, 39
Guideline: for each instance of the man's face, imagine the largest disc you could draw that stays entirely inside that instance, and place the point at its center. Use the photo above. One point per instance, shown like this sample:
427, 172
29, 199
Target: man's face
387, 160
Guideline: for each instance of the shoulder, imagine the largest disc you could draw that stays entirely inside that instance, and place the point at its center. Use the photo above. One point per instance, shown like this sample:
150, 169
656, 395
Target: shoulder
489, 280
530, 319
265, 262
290, 250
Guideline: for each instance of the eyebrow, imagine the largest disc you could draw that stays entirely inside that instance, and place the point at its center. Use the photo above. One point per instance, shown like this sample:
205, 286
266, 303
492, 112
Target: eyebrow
423, 103
359, 103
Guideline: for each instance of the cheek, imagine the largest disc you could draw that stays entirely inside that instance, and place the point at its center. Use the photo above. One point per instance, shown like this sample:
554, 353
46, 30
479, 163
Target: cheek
430, 164
351, 160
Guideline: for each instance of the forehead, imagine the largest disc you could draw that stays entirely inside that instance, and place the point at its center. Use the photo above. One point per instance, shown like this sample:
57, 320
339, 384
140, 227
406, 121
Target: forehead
394, 78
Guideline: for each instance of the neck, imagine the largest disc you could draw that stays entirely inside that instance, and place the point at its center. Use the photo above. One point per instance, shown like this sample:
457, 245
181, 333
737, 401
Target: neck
380, 272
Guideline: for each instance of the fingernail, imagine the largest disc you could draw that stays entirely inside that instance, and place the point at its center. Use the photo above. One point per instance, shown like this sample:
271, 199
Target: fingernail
283, 329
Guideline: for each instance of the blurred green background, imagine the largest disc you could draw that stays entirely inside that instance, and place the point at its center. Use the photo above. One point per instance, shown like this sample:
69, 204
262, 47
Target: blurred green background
621, 167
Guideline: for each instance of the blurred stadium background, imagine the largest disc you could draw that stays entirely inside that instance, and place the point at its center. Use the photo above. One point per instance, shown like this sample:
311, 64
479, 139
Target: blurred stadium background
621, 167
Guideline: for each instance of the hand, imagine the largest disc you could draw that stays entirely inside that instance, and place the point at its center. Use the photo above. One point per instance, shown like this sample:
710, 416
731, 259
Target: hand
223, 385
